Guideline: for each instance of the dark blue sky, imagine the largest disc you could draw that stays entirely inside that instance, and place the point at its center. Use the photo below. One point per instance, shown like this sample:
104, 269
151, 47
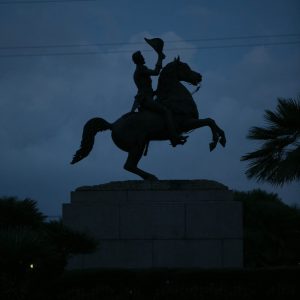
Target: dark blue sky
45, 100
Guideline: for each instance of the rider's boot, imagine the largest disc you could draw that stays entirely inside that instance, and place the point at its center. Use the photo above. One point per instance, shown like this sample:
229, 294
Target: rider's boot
178, 140
175, 138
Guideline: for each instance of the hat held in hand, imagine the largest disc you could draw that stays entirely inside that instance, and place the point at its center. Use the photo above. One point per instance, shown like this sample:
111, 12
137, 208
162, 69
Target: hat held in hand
157, 44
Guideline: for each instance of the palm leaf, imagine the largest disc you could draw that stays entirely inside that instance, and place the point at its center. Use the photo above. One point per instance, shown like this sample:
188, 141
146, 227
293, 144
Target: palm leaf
278, 159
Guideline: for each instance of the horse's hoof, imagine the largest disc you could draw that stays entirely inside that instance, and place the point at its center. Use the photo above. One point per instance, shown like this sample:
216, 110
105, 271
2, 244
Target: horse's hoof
222, 141
212, 146
151, 178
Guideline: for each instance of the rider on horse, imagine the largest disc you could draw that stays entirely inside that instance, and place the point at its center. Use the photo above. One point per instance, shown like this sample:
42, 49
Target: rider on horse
144, 97
133, 131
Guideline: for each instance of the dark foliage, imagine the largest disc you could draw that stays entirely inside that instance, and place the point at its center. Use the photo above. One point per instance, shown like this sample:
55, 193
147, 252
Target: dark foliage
15, 213
21, 248
69, 241
33, 251
278, 159
271, 230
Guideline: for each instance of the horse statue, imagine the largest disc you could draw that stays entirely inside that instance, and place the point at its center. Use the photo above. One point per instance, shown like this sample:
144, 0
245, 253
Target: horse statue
133, 131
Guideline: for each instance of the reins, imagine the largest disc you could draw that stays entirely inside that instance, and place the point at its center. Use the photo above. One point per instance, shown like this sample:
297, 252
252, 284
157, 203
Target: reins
196, 89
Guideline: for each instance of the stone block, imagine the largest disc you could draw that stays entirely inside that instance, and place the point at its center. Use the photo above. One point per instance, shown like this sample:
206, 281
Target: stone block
178, 196
163, 224
117, 254
214, 219
99, 220
103, 197
187, 254
152, 221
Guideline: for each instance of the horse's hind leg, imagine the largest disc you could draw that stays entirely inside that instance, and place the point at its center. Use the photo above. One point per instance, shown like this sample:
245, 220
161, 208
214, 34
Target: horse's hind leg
132, 161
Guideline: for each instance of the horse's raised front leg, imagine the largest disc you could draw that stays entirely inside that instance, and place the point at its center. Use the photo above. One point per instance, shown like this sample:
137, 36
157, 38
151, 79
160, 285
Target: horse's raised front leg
218, 134
132, 161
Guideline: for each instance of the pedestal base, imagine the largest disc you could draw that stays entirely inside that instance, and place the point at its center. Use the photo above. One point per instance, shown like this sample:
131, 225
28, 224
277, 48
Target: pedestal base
161, 224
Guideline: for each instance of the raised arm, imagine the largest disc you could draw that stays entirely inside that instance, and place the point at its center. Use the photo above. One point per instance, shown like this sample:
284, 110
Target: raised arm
158, 67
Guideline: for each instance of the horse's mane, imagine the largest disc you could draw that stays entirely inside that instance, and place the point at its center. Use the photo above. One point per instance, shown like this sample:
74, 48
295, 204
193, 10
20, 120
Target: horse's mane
167, 68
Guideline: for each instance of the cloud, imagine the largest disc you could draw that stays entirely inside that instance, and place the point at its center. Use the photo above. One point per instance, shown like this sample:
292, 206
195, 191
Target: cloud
197, 11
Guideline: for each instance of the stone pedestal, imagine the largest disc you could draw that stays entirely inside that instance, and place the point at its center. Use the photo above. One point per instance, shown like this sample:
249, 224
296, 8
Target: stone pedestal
161, 224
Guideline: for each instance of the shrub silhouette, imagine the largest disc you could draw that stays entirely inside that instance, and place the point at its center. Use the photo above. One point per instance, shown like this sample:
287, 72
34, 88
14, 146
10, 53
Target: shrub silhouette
33, 250
271, 230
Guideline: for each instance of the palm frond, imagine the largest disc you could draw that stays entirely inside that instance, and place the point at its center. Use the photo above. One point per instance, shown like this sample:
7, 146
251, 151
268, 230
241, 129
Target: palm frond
286, 115
278, 159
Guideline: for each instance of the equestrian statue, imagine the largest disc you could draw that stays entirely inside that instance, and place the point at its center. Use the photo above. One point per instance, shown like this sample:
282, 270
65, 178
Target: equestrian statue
164, 114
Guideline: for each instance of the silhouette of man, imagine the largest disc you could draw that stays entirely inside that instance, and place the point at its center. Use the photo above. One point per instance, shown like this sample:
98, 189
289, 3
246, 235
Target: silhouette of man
144, 97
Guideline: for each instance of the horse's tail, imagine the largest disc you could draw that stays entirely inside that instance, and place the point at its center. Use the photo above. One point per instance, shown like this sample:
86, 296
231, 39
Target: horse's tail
90, 129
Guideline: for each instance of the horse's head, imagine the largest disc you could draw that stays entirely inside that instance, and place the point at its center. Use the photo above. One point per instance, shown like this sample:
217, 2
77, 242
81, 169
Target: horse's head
185, 73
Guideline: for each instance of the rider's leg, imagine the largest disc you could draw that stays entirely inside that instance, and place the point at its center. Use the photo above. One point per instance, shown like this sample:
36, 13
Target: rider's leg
175, 138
